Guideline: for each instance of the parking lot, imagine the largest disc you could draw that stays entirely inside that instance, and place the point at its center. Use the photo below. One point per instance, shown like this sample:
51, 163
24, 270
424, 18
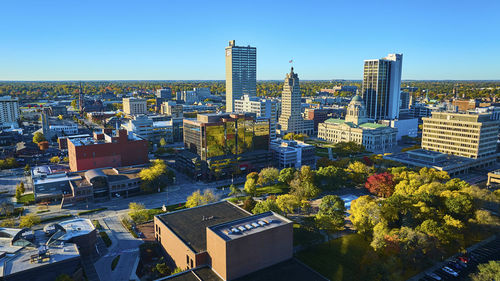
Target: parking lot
483, 254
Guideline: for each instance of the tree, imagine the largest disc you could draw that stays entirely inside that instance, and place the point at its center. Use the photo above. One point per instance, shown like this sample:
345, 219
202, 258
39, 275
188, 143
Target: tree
55, 159
268, 176
359, 172
163, 269
234, 190
66, 159
487, 272
27, 169
29, 220
154, 177
347, 149
74, 104
286, 175
381, 184
288, 203
138, 212
38, 137
249, 203
266, 206
292, 136
251, 183
60, 117
19, 194
330, 177
365, 214
303, 185
21, 187
460, 204
163, 142
331, 214
199, 199
177, 270
9, 222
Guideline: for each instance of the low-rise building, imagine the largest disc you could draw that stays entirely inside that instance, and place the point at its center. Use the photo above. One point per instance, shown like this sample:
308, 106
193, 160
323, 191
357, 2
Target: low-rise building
134, 106
357, 128
110, 148
171, 108
293, 154
224, 242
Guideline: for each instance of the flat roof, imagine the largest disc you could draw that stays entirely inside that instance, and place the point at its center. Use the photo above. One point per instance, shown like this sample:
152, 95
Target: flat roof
190, 224
76, 227
249, 225
446, 162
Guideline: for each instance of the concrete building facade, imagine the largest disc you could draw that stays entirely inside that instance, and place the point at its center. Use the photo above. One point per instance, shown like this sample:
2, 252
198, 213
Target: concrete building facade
291, 120
134, 106
293, 154
9, 111
469, 135
241, 73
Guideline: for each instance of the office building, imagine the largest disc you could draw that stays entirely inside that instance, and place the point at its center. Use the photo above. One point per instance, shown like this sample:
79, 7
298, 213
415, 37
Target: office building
134, 106
264, 108
357, 128
291, 120
9, 111
221, 241
220, 145
406, 101
110, 148
382, 87
165, 93
171, 108
142, 126
241, 73
469, 135
293, 154
318, 115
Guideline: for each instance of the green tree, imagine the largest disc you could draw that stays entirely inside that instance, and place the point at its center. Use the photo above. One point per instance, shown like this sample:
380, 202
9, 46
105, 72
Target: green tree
268, 176
19, 194
199, 199
330, 177
38, 137
249, 203
251, 183
9, 222
138, 212
286, 175
177, 270
74, 104
29, 220
365, 214
163, 269
21, 187
66, 159
303, 185
163, 142
265, 206
64, 277
154, 177
55, 159
331, 214
487, 272
27, 169
288, 203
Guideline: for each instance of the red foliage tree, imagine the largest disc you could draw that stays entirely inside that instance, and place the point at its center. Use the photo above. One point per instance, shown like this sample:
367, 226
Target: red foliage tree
381, 185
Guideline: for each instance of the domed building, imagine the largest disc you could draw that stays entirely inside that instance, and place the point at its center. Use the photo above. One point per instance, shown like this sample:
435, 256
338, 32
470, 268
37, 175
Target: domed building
356, 127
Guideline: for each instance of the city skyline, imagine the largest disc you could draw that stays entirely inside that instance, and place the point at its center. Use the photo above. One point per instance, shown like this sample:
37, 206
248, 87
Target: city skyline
155, 41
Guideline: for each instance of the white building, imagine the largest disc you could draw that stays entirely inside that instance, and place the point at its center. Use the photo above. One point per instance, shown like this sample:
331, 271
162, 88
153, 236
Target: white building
262, 107
9, 111
357, 128
133, 106
144, 127
293, 154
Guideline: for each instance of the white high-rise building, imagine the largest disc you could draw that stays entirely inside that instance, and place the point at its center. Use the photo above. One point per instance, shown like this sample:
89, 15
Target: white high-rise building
262, 107
9, 111
382, 87
241, 73
291, 120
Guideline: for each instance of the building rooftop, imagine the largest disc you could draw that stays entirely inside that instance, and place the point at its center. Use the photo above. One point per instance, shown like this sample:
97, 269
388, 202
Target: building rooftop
190, 224
248, 225
350, 124
290, 270
440, 160
75, 228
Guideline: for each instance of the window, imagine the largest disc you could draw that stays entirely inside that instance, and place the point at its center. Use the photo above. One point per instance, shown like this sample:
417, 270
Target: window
187, 260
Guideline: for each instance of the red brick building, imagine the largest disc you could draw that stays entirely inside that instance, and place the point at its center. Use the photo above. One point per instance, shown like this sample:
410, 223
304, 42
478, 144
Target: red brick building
107, 149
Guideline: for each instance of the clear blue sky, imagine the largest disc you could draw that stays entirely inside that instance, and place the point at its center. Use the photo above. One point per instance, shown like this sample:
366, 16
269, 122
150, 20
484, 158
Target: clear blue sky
165, 40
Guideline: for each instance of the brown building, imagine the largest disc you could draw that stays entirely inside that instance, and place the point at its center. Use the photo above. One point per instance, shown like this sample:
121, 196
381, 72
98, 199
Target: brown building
221, 241
464, 105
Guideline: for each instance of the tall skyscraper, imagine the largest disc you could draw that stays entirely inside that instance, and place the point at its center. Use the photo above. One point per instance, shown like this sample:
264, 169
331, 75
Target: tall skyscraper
241, 73
9, 111
291, 120
382, 87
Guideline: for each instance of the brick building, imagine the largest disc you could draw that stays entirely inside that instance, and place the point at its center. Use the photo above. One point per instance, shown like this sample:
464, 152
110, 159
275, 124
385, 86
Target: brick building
107, 149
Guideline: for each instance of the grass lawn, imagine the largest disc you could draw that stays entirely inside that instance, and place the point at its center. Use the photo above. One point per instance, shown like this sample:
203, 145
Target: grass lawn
304, 236
272, 189
349, 258
27, 198
105, 238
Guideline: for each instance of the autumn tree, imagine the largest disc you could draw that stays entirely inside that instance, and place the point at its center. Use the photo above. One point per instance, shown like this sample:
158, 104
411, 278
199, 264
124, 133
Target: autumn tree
286, 175
303, 184
381, 184
198, 199
288, 203
331, 214
487, 271
251, 183
29, 220
358, 172
365, 214
155, 177
38, 137
55, 159
268, 176
265, 206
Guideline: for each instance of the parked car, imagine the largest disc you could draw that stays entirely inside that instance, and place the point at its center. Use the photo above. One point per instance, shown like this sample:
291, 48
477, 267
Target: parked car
454, 266
464, 258
433, 275
450, 271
